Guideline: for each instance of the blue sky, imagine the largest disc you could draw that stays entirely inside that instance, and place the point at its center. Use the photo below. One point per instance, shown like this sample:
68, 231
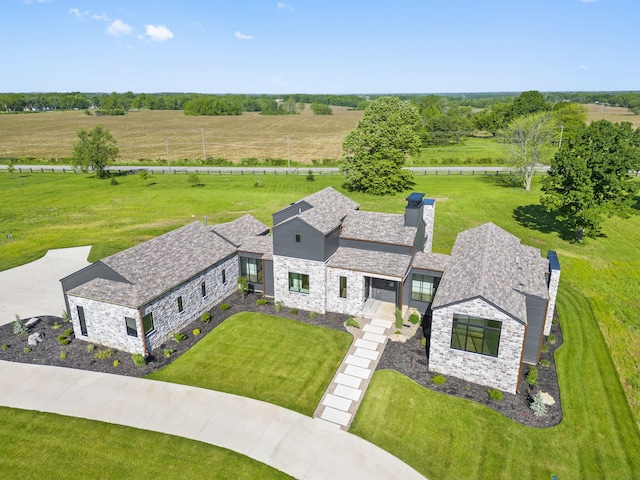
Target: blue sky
329, 46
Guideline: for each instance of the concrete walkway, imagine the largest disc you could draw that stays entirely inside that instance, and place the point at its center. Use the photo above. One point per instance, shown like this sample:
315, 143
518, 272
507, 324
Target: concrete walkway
295, 444
34, 289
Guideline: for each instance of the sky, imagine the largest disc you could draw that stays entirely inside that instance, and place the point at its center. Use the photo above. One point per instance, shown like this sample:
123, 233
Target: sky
313, 46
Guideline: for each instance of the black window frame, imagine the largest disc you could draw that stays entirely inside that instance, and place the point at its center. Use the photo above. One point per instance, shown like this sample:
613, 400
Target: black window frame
146, 321
301, 277
254, 278
82, 320
476, 335
224, 276
180, 304
421, 295
343, 287
132, 326
298, 238
203, 289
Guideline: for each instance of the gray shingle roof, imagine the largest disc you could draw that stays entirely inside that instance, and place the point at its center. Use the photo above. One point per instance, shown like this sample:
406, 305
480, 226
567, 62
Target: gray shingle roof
430, 261
378, 227
332, 199
489, 262
155, 266
237, 231
262, 245
380, 263
329, 207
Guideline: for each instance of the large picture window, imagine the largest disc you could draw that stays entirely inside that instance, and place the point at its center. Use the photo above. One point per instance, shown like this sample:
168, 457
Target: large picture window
422, 287
251, 269
476, 335
298, 282
147, 323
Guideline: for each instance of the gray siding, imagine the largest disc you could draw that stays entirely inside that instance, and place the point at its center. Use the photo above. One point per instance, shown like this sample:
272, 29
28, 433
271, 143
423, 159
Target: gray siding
93, 271
375, 247
332, 242
418, 242
290, 211
268, 277
536, 310
310, 247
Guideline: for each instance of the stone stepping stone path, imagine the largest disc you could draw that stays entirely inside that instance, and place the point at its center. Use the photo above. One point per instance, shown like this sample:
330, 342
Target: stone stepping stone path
342, 398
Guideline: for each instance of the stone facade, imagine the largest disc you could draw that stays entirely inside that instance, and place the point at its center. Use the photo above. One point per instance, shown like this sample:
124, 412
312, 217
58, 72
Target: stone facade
315, 300
501, 372
554, 281
354, 302
428, 215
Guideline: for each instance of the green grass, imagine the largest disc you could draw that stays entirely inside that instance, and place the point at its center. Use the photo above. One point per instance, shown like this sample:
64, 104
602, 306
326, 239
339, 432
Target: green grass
474, 151
279, 361
37, 445
450, 438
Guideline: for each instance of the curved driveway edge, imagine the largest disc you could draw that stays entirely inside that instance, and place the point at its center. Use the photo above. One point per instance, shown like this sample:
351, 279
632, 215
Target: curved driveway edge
34, 288
293, 443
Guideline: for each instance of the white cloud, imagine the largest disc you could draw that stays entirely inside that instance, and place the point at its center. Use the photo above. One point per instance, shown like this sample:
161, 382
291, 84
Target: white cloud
584, 67
78, 14
284, 6
242, 36
159, 33
118, 27
102, 17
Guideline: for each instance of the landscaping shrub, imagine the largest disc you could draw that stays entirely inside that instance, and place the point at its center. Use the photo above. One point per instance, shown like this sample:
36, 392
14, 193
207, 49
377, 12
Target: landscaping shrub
179, 336
538, 406
279, 306
243, 286
423, 341
196, 331
544, 348
168, 352
116, 363
414, 318
351, 322
552, 339
310, 177
399, 321
90, 348
62, 340
104, 354
19, 328
26, 349
544, 362
4, 347
65, 316
312, 315
439, 379
224, 306
495, 394
205, 317
63, 355
68, 332
262, 302
56, 326
138, 360
532, 376
293, 311
397, 332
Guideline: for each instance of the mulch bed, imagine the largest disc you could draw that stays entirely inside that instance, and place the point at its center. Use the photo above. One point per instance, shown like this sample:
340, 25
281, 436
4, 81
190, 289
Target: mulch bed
407, 358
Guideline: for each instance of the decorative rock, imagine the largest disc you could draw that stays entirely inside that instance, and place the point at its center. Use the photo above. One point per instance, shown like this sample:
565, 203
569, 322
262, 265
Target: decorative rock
32, 322
35, 338
547, 399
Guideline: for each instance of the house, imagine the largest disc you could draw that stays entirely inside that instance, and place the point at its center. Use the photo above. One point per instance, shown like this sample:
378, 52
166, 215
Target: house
486, 307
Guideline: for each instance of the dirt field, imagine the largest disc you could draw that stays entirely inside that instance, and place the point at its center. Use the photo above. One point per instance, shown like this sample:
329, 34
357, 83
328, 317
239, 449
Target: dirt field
613, 114
141, 134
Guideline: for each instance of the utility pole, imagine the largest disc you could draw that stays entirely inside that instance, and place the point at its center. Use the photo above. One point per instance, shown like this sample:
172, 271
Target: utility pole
204, 152
166, 142
288, 156
561, 132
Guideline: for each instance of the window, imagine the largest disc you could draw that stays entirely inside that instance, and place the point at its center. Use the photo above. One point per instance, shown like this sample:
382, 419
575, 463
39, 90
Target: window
343, 287
297, 238
180, 306
147, 323
476, 335
203, 288
132, 328
422, 287
83, 322
224, 277
251, 269
298, 282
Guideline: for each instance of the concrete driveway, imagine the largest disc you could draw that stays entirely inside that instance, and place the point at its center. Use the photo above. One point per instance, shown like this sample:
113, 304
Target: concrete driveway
34, 289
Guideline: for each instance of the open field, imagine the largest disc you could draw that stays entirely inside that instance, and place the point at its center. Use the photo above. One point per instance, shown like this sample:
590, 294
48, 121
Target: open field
613, 114
37, 445
141, 135
473, 151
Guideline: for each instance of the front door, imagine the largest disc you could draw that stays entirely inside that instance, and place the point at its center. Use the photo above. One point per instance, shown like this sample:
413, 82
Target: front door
384, 290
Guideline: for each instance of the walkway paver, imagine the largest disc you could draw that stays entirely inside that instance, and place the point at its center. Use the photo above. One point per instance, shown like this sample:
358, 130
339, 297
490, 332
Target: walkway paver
300, 446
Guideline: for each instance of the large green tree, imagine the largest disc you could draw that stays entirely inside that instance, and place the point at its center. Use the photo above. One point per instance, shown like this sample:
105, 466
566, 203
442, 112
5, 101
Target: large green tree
95, 148
590, 177
530, 144
377, 150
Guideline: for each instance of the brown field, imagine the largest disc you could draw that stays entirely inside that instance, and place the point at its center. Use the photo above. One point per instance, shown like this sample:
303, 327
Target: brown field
141, 135
613, 114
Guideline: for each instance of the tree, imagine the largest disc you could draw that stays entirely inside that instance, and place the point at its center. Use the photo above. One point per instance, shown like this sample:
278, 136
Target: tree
95, 148
321, 109
529, 102
570, 117
530, 143
377, 149
589, 177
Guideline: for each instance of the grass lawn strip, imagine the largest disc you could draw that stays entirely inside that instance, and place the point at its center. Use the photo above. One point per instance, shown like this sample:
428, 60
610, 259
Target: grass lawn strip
38, 445
267, 358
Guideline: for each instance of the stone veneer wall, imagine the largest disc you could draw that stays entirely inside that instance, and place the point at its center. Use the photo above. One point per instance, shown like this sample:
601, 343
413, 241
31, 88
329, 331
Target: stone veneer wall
428, 214
499, 372
314, 300
106, 324
353, 304
166, 317
554, 281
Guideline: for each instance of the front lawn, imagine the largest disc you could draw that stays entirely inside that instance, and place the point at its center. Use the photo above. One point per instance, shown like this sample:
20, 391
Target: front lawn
36, 445
284, 362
